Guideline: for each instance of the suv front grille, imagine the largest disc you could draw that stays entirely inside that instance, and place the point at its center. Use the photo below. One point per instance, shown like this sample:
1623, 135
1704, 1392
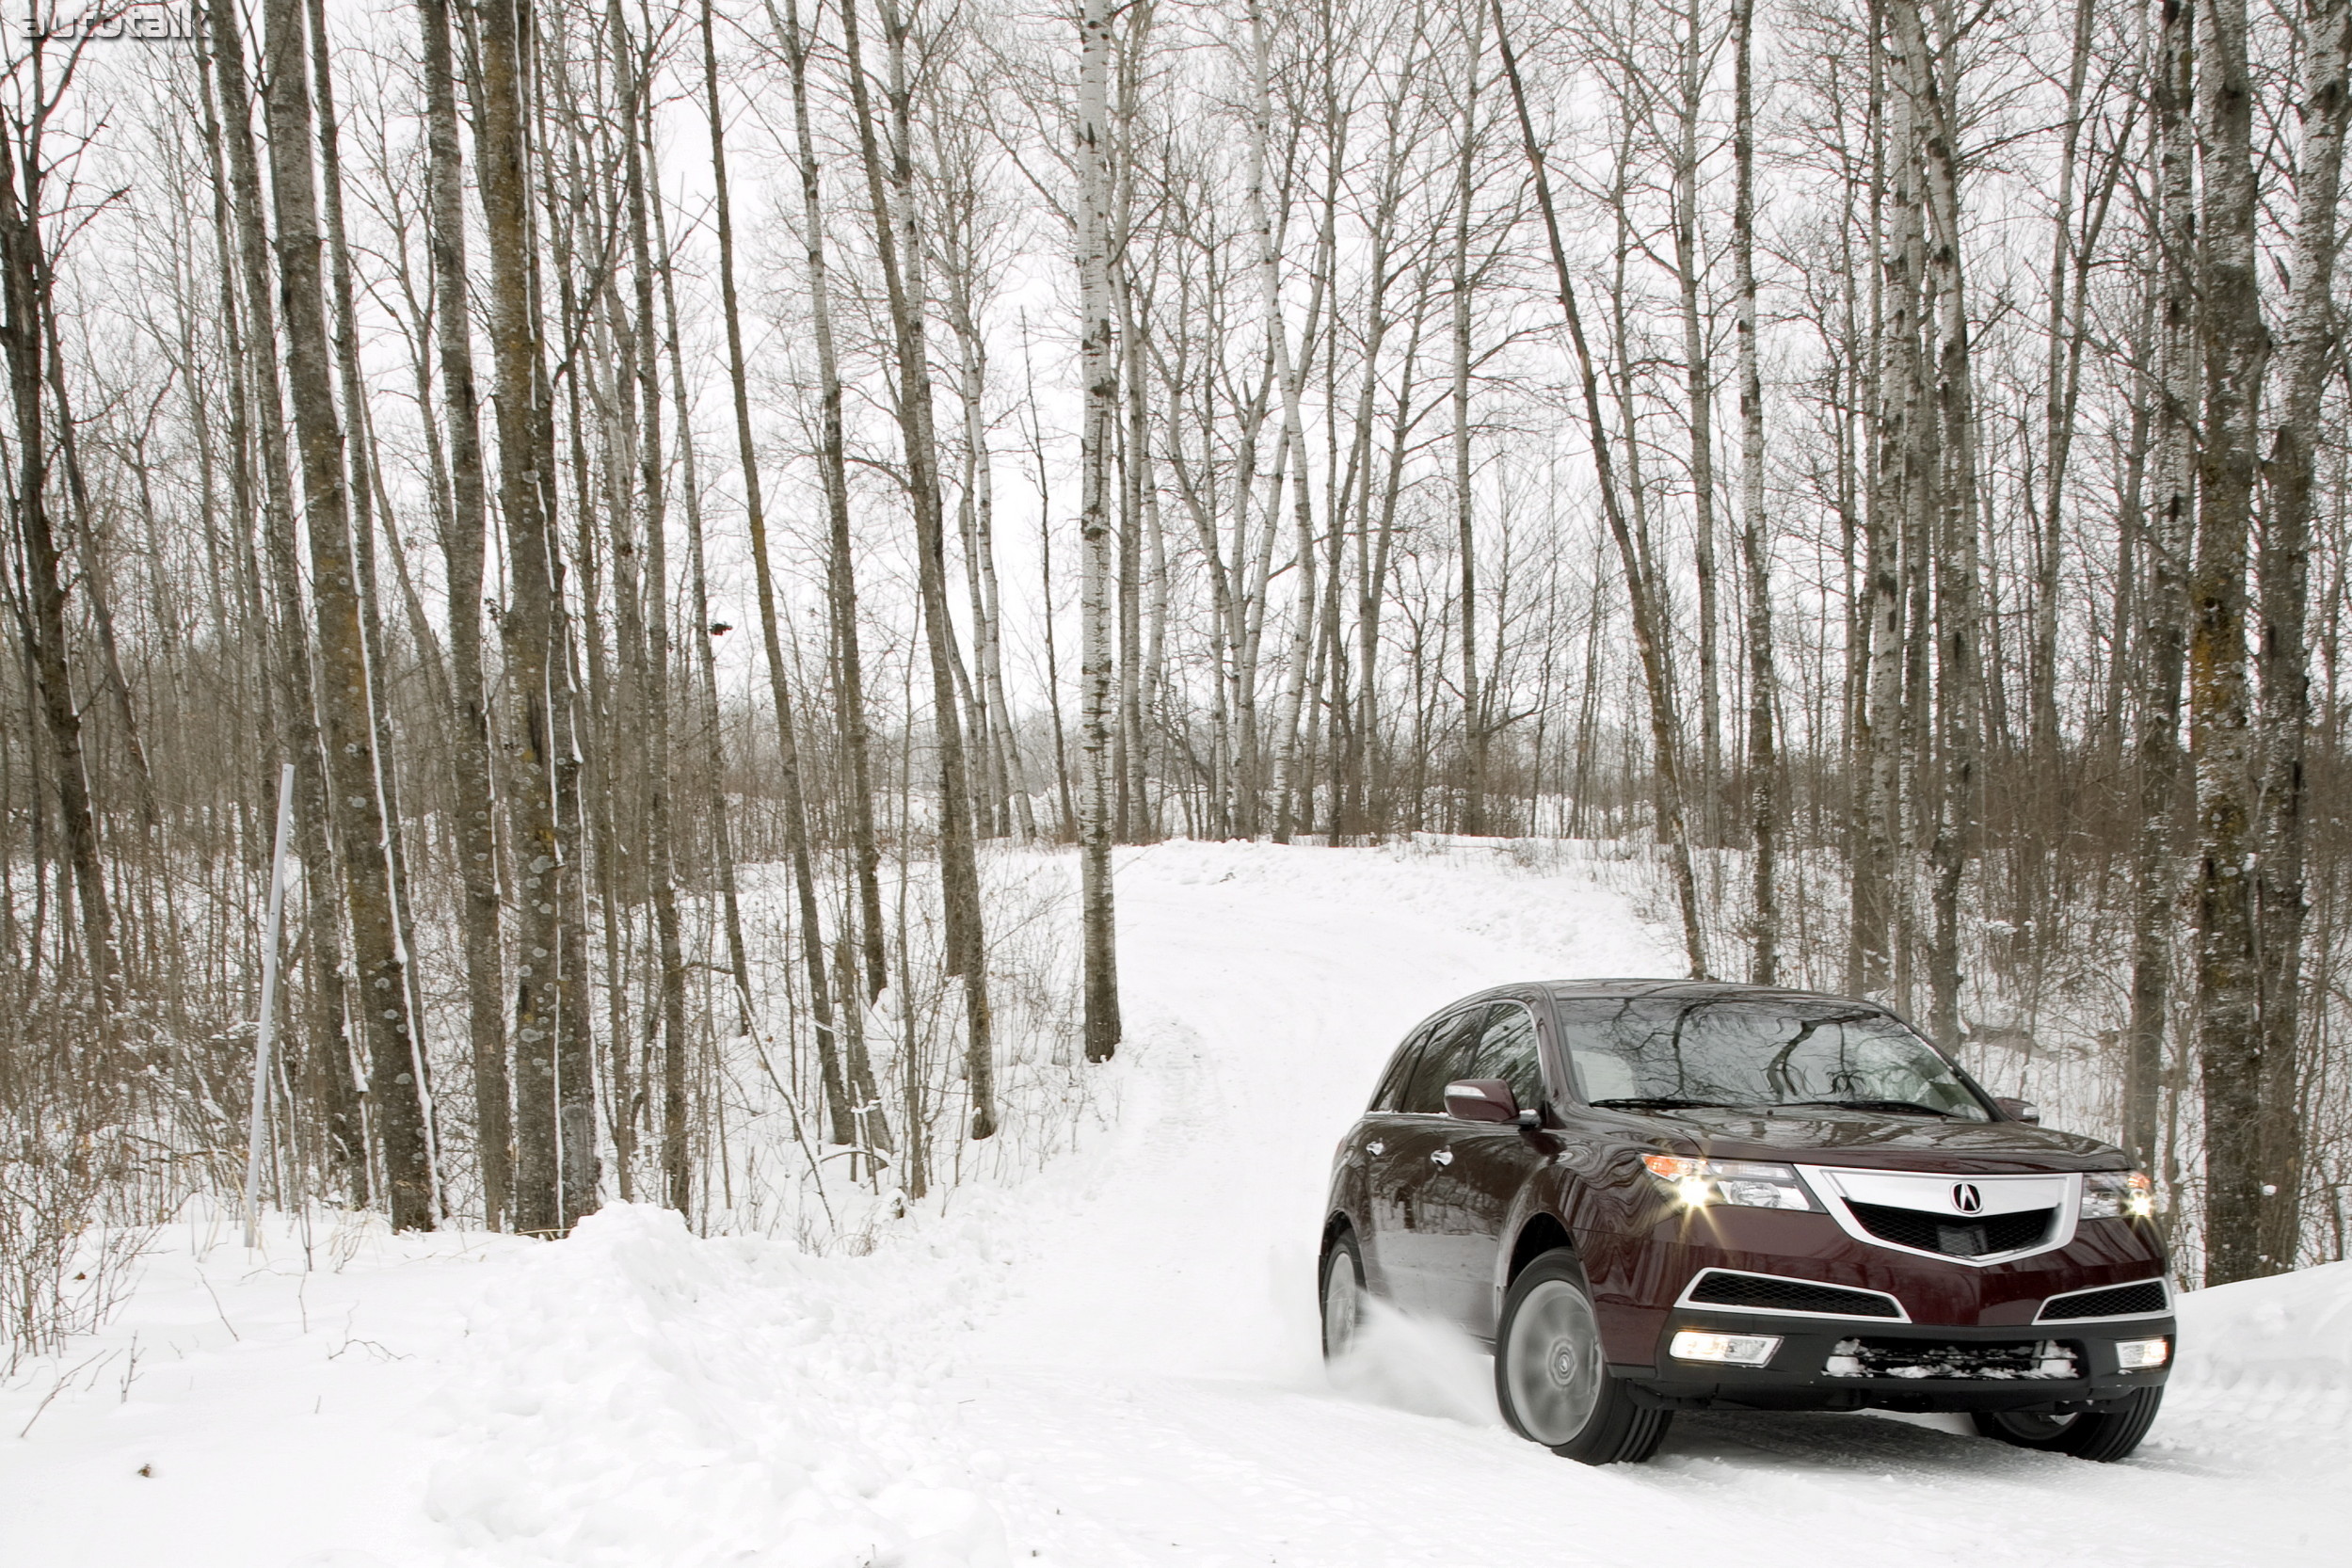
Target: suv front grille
2114, 1302
1722, 1289
1921, 1359
1974, 1236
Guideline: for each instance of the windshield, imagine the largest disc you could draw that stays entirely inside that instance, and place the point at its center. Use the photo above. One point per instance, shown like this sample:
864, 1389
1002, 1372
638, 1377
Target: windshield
1659, 1053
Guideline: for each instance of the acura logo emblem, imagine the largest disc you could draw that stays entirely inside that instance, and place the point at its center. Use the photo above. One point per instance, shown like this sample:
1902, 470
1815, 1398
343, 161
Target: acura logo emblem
1966, 1199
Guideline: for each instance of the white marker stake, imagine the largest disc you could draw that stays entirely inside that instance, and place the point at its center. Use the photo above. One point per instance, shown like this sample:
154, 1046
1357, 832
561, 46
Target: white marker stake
267, 1027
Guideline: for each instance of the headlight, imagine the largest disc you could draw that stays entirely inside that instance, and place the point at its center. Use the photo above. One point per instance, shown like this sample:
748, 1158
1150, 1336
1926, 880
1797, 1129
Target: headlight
2118, 1196
1740, 1183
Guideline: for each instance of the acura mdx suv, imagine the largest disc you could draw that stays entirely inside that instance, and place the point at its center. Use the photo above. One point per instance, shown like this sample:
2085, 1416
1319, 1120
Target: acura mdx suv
1660, 1195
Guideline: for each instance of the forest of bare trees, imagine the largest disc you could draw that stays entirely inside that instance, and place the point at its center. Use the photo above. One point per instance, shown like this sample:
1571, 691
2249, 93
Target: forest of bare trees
708, 497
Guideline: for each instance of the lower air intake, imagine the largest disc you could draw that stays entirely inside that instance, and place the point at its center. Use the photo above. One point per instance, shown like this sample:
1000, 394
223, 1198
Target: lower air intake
1790, 1295
2120, 1300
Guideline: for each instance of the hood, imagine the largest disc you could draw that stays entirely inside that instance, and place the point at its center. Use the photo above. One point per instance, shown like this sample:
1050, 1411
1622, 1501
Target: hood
1861, 1138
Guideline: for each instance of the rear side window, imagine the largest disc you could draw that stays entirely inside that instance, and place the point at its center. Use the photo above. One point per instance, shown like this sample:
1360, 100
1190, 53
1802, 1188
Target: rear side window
1506, 1049
1452, 1048
1390, 1095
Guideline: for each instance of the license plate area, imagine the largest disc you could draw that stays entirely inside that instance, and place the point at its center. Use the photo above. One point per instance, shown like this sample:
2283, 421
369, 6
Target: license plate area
1926, 1360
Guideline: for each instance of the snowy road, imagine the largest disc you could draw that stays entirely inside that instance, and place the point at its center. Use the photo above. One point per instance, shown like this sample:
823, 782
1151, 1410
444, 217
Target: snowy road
1112, 1363
1151, 1378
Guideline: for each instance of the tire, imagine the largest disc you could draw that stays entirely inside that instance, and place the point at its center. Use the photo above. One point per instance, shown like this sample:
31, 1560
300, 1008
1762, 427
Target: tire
1551, 1379
2102, 1437
1340, 1293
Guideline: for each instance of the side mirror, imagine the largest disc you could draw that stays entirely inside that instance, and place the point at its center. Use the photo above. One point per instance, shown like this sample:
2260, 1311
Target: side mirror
2017, 1110
1482, 1099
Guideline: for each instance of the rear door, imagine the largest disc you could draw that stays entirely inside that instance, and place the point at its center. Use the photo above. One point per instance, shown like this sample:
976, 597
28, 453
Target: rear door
1413, 1144
1384, 1124
1475, 1173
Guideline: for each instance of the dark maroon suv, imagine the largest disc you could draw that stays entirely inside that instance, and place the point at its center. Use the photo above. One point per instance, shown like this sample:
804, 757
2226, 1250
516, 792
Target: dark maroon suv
1660, 1195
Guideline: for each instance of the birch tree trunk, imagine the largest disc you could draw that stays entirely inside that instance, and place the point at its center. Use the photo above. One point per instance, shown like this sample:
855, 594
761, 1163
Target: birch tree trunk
1699, 384
1879, 896
840, 581
1101, 377
365, 486
2058, 411
462, 542
1268, 264
533, 670
331, 1052
2163, 601
1947, 477
659, 854
1473, 708
395, 1071
25, 337
2282, 572
2236, 349
891, 190
1764, 797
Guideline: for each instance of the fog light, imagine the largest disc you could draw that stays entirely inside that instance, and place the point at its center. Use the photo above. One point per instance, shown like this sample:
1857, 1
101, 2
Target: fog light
2135, 1355
1736, 1350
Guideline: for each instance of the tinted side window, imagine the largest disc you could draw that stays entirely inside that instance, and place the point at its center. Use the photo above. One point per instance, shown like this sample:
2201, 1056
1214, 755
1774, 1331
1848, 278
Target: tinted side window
1506, 1049
1452, 1046
1390, 1095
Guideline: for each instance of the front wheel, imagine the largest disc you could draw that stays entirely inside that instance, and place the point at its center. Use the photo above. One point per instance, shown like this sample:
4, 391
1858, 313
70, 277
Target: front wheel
1551, 1378
2102, 1435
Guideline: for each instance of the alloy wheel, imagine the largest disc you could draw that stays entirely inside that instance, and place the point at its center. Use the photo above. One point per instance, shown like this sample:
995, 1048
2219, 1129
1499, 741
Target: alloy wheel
1554, 1369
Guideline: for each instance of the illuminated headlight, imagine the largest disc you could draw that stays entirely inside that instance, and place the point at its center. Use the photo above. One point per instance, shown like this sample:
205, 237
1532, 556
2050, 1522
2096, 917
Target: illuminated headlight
1740, 1183
2136, 1355
1731, 1350
2118, 1196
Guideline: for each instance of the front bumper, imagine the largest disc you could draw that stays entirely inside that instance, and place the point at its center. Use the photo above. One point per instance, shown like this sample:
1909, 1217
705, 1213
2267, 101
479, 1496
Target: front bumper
1639, 1274
1799, 1376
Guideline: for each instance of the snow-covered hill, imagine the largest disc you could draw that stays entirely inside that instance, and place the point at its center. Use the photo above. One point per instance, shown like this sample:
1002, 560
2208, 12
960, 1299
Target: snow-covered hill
1110, 1362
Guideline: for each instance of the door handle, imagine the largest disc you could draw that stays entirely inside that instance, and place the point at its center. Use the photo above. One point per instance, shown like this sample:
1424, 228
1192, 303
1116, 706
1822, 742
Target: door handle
1376, 1148
1443, 1157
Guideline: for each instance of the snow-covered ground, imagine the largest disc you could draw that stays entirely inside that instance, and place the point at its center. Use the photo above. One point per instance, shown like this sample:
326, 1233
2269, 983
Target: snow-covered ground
1113, 1362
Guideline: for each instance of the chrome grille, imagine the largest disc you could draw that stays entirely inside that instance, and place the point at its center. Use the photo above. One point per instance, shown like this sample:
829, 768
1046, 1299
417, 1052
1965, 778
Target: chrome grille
1955, 1236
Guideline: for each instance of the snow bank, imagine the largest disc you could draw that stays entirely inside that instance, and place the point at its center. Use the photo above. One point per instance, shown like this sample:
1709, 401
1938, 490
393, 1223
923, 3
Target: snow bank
2290, 1332
246, 1409
2260, 1360
637, 1395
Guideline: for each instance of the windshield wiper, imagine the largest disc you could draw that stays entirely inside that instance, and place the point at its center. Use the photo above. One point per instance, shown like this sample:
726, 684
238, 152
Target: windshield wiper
1659, 1102
1904, 1107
